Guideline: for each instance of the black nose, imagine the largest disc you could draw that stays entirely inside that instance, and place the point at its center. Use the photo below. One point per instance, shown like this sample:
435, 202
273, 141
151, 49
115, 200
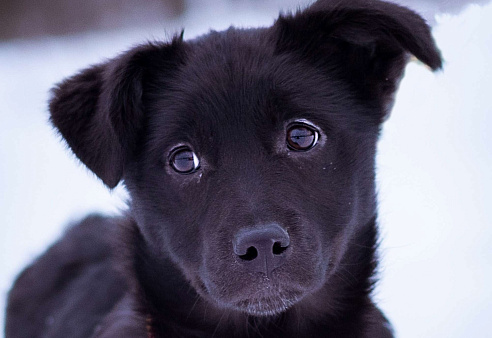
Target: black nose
262, 249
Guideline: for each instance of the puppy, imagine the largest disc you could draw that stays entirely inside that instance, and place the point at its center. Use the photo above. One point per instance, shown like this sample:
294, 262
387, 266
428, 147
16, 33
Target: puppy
249, 159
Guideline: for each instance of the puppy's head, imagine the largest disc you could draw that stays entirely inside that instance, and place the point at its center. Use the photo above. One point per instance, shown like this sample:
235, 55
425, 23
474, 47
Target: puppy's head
249, 154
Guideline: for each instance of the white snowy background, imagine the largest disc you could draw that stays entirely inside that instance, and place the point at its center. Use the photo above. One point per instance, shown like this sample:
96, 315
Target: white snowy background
434, 163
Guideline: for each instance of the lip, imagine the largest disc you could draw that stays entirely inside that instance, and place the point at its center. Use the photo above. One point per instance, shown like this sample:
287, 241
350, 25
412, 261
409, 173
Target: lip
270, 305
269, 299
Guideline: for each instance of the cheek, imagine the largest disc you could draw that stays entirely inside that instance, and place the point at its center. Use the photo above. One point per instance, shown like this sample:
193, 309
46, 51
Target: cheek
170, 217
329, 199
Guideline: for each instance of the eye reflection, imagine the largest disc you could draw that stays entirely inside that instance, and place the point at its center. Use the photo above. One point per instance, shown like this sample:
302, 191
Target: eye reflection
301, 137
184, 161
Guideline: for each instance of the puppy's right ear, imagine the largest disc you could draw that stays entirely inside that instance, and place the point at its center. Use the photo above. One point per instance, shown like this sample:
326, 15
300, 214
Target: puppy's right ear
99, 111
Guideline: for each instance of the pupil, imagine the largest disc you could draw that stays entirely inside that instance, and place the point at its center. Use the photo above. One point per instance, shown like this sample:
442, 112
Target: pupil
183, 161
301, 138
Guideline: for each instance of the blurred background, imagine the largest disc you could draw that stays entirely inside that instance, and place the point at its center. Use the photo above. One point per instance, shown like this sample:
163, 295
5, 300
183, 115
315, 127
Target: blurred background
434, 161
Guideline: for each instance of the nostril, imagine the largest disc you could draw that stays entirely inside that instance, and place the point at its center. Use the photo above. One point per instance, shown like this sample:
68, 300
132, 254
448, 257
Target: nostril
251, 253
278, 249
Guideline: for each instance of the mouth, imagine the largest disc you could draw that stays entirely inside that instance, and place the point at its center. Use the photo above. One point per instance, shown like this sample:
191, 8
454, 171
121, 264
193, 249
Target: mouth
268, 299
271, 305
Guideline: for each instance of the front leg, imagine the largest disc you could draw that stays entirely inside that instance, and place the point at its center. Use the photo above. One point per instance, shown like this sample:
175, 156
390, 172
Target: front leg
123, 321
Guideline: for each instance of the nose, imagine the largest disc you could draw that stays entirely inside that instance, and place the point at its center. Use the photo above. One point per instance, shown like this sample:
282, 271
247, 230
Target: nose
262, 249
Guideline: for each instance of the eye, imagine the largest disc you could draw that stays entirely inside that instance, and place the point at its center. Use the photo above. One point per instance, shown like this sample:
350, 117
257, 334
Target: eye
301, 137
183, 160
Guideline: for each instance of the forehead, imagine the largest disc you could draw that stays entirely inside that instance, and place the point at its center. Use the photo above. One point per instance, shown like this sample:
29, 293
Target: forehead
234, 81
229, 76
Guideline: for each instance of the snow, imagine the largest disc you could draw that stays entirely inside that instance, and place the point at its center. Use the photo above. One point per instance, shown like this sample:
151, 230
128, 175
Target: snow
435, 187
433, 165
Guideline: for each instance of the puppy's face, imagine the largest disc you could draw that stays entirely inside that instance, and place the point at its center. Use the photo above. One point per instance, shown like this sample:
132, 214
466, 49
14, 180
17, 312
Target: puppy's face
250, 177
249, 154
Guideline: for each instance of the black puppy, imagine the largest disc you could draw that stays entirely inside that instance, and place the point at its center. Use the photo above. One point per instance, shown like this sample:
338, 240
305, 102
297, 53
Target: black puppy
249, 158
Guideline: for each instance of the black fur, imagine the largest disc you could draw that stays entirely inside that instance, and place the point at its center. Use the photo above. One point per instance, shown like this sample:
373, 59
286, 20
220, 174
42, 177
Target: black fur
170, 266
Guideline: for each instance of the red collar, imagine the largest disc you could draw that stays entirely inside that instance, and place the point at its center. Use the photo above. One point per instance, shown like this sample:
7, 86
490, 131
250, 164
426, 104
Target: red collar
148, 325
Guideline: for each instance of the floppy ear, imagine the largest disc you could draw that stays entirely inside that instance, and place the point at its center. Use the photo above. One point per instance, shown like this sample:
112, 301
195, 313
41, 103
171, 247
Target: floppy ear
364, 42
99, 111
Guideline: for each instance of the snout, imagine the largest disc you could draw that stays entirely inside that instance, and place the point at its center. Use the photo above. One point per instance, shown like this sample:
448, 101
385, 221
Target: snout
262, 269
262, 249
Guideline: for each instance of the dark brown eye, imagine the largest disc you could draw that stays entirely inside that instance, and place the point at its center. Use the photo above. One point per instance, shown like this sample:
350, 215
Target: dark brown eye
184, 160
301, 137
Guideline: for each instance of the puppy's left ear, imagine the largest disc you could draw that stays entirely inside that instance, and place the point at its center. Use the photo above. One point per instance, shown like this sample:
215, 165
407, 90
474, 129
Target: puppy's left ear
366, 43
